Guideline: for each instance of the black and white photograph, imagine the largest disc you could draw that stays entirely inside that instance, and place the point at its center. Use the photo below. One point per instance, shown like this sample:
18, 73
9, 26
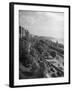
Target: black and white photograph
39, 44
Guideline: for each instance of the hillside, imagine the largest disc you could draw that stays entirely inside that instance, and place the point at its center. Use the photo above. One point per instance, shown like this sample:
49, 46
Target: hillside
39, 57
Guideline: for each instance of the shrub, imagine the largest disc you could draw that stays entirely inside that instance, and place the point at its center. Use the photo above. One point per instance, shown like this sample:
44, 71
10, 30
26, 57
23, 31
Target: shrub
53, 54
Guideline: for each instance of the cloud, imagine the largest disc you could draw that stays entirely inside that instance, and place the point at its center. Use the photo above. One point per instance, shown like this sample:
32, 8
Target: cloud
43, 23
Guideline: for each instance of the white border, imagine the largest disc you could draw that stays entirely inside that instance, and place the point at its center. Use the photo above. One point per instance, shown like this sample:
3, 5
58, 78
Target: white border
16, 46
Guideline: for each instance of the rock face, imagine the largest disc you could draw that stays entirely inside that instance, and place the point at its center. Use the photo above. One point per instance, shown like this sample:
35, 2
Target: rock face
39, 57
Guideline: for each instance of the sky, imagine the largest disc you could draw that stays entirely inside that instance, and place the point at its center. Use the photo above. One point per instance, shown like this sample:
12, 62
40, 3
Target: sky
43, 23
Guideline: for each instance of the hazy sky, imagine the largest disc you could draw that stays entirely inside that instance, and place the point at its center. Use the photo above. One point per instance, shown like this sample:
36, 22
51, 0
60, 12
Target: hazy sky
49, 24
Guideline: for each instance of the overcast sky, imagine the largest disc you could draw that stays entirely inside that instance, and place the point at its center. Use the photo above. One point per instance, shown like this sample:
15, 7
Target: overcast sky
49, 24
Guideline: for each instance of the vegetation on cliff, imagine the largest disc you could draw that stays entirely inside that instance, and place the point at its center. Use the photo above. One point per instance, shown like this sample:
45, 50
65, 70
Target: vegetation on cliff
39, 57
